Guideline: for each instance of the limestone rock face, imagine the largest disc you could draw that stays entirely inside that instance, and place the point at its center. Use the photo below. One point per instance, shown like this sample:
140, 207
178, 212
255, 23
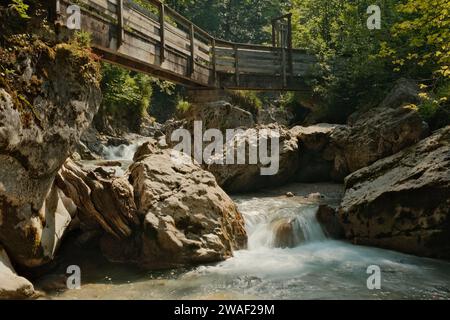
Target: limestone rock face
35, 140
219, 115
275, 115
249, 177
403, 202
405, 91
187, 217
11, 285
315, 165
375, 135
331, 152
103, 200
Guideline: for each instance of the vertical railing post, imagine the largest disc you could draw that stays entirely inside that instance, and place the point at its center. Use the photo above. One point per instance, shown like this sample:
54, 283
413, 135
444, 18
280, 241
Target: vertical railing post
192, 57
283, 54
54, 11
236, 64
291, 62
162, 52
213, 60
120, 29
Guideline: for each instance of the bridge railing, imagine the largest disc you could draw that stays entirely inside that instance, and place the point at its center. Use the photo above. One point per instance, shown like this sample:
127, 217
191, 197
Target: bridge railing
156, 39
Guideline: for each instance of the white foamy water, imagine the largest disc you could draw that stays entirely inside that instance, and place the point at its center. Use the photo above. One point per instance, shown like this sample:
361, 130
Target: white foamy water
316, 268
122, 152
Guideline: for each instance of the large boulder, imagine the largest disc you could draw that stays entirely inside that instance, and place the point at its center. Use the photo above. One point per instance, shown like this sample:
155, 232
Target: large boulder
277, 114
403, 202
404, 92
249, 177
315, 165
161, 214
187, 218
331, 152
11, 285
376, 134
53, 100
219, 115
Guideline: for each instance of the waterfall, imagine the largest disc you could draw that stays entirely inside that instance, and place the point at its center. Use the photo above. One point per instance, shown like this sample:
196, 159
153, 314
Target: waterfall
279, 226
122, 152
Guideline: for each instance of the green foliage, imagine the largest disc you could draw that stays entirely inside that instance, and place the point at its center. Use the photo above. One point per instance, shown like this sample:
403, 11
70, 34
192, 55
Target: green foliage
425, 29
183, 105
348, 74
435, 106
358, 65
247, 100
21, 8
233, 20
126, 95
82, 38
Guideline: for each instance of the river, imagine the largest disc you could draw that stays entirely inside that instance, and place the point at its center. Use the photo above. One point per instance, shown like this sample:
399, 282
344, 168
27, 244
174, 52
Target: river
311, 266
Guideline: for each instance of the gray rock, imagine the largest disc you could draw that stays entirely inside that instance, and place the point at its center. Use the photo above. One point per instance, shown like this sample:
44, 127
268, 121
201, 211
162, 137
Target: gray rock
405, 91
403, 202
248, 177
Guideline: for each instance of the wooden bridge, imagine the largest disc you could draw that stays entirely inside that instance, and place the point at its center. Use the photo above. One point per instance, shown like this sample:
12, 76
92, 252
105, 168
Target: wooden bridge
159, 41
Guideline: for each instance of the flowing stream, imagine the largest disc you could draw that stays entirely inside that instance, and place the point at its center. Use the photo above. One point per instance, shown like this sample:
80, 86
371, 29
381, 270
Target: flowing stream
300, 263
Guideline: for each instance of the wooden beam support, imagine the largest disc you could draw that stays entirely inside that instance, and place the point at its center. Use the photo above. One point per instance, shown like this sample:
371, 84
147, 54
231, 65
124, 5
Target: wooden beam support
162, 52
120, 25
192, 57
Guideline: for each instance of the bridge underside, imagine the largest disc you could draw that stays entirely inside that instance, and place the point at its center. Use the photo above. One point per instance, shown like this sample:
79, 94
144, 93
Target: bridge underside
163, 44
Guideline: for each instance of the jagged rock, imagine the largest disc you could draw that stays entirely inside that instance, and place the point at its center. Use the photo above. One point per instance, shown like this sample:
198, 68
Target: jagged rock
170, 215
314, 166
275, 115
377, 134
103, 200
331, 152
219, 115
36, 137
248, 177
403, 202
146, 149
11, 285
328, 218
187, 218
405, 91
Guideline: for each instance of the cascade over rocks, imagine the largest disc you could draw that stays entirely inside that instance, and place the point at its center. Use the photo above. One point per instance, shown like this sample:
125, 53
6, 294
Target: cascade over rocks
403, 202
